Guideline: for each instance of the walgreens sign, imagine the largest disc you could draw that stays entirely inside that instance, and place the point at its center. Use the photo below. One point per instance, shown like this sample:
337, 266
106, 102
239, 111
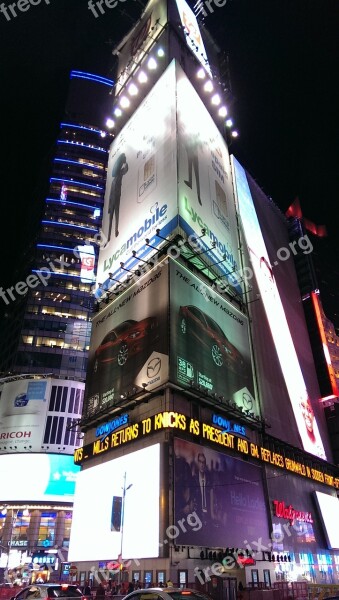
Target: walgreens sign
283, 511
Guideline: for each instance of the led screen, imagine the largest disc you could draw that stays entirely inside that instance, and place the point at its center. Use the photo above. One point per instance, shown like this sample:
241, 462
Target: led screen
297, 390
226, 493
205, 190
141, 187
37, 477
129, 344
34, 414
95, 533
209, 341
329, 510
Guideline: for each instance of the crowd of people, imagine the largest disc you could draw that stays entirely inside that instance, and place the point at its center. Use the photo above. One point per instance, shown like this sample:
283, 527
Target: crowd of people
112, 588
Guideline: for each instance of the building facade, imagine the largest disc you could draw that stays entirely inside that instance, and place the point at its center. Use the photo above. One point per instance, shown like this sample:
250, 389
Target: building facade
206, 453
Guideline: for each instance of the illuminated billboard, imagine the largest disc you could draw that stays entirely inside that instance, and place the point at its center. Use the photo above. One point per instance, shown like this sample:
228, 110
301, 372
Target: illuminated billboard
35, 413
209, 341
328, 507
141, 188
129, 344
205, 190
192, 34
96, 531
226, 493
297, 391
38, 477
134, 47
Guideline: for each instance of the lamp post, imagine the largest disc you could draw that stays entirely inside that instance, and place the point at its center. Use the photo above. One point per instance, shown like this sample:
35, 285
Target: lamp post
124, 490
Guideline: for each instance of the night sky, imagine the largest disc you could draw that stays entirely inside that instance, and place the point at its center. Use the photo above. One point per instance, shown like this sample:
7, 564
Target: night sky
283, 59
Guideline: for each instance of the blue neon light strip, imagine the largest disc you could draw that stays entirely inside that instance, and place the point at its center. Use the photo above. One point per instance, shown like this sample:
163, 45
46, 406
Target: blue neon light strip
76, 162
82, 145
93, 129
55, 247
68, 225
64, 202
95, 187
96, 79
75, 73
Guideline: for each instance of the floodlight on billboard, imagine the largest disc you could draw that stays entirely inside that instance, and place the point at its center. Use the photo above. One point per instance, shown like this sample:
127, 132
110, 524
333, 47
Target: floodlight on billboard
141, 188
288, 359
206, 200
100, 538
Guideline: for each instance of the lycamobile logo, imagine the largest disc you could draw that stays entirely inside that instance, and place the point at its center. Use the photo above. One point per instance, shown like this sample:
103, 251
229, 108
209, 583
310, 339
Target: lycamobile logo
223, 249
157, 214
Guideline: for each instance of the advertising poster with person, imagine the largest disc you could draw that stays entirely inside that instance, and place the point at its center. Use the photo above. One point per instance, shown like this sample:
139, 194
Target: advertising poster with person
206, 200
279, 327
129, 343
209, 341
141, 187
226, 493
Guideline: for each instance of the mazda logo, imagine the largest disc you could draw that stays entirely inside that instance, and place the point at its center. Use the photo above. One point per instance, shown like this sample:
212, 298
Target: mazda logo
153, 367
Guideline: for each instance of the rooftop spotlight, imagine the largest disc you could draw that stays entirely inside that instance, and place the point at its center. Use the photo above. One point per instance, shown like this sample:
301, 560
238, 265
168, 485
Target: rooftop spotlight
110, 123
216, 99
102, 134
142, 77
117, 112
222, 112
201, 73
124, 102
132, 89
161, 52
234, 134
152, 64
208, 87
229, 123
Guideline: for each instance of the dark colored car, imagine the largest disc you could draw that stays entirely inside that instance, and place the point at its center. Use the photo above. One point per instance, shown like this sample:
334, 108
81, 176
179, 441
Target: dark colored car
21, 400
126, 340
167, 593
208, 334
44, 591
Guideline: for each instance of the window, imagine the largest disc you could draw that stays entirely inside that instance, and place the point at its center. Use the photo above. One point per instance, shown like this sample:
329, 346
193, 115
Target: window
148, 578
255, 577
182, 578
267, 578
161, 577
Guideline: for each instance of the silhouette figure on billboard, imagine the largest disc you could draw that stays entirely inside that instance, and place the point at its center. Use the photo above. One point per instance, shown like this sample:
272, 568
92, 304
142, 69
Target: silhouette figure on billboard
192, 147
119, 169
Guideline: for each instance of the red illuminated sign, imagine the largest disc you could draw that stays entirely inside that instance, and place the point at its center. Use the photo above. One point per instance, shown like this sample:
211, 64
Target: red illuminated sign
291, 514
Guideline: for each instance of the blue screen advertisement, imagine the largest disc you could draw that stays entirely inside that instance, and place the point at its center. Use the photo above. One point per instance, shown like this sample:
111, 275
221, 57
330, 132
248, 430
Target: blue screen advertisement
38, 477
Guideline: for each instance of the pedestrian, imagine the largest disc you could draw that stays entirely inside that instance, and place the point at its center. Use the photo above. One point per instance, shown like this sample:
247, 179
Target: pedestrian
87, 590
100, 593
169, 583
130, 587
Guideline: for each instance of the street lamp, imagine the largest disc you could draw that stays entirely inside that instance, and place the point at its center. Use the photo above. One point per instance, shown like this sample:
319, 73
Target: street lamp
124, 490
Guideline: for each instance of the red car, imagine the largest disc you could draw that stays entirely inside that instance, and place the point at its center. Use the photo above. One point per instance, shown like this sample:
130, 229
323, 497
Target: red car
208, 335
126, 340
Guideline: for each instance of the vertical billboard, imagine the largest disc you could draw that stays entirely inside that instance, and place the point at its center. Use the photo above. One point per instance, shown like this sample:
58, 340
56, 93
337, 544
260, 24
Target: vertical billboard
209, 341
129, 343
95, 535
141, 188
192, 34
206, 200
275, 313
226, 494
134, 47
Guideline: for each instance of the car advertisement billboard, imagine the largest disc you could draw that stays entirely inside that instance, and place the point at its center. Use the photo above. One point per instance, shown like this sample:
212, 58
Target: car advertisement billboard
129, 343
38, 477
35, 412
209, 341
205, 190
134, 46
226, 493
101, 537
297, 390
141, 188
